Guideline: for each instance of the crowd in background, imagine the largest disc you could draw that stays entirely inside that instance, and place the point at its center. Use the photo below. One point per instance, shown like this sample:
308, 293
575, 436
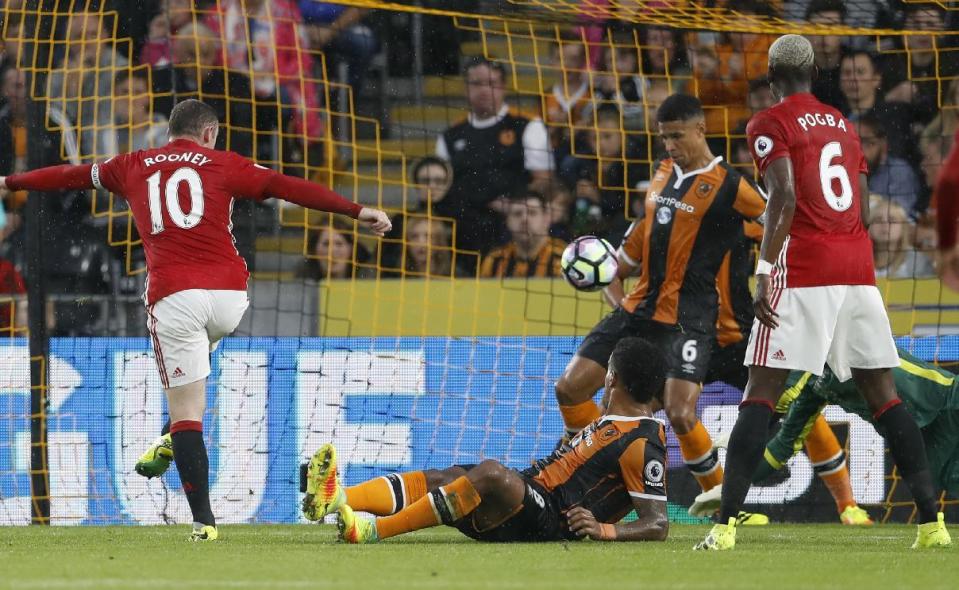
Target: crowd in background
512, 183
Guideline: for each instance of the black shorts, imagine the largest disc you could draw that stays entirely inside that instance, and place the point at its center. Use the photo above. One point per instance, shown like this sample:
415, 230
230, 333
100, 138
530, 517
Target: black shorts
538, 519
726, 365
687, 352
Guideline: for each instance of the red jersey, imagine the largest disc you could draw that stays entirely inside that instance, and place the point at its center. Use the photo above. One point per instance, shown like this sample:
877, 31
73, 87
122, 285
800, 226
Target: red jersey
181, 196
828, 243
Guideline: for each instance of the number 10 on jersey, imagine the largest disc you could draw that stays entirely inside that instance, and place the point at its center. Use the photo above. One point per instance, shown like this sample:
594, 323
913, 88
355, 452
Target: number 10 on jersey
179, 218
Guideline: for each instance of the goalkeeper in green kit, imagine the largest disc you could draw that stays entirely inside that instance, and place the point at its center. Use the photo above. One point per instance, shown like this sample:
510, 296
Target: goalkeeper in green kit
929, 393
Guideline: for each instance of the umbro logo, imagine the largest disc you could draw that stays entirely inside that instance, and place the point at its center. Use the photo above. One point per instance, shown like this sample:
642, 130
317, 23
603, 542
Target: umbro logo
177, 373
779, 355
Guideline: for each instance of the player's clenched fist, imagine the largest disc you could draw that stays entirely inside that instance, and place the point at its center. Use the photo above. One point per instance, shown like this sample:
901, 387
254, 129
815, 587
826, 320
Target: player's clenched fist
376, 220
583, 523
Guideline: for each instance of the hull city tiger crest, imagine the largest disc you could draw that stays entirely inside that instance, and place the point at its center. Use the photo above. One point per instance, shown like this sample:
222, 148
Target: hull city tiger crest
703, 190
507, 137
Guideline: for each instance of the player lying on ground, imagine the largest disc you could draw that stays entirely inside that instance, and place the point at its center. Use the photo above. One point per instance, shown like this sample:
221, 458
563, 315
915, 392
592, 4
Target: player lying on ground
616, 464
694, 215
929, 393
181, 196
816, 302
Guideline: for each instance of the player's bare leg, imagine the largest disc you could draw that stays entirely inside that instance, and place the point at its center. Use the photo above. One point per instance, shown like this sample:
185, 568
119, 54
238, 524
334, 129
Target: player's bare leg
696, 445
186, 405
490, 485
908, 450
575, 389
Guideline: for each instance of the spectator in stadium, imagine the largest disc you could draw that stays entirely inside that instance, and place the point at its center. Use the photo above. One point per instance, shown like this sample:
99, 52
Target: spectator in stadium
334, 253
261, 38
531, 252
81, 85
172, 15
934, 145
428, 250
890, 177
860, 80
947, 121
828, 51
195, 72
605, 177
570, 95
741, 158
722, 73
134, 127
431, 177
13, 130
892, 233
493, 151
915, 76
339, 31
664, 54
619, 83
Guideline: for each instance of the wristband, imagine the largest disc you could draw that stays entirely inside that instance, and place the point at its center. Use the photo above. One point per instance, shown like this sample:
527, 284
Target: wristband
608, 531
764, 267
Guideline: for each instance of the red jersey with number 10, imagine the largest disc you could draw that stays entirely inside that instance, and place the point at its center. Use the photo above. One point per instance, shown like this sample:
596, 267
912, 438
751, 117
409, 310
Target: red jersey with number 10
181, 196
828, 243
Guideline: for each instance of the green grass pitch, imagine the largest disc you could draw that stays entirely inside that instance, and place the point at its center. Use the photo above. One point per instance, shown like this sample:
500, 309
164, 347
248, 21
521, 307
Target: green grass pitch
259, 556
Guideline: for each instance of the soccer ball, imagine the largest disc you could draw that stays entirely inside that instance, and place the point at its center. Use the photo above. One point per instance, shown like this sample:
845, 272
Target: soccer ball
589, 263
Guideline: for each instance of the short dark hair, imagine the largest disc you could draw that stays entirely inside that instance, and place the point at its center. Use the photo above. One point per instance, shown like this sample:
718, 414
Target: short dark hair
854, 53
523, 194
679, 107
430, 161
869, 119
478, 60
608, 110
757, 7
641, 368
190, 117
819, 6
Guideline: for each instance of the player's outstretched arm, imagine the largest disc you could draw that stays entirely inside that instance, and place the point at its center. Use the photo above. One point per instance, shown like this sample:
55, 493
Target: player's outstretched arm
53, 178
314, 196
652, 523
781, 187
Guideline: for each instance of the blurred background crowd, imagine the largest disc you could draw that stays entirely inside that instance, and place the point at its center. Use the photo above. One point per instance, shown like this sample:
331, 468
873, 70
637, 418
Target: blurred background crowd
499, 173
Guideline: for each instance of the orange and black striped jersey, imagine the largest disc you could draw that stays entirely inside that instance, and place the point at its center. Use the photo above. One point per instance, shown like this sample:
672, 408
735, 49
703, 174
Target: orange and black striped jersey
504, 262
691, 221
613, 460
735, 318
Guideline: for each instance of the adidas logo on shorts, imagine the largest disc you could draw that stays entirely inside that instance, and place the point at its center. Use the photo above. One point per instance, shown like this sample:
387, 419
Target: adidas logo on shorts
177, 373
779, 356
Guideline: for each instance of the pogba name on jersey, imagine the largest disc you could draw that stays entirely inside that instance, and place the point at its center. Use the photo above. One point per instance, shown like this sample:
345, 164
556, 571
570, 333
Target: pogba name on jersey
809, 120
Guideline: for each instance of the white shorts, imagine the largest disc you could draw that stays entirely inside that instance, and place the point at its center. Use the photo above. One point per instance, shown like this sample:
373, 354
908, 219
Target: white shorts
844, 326
186, 327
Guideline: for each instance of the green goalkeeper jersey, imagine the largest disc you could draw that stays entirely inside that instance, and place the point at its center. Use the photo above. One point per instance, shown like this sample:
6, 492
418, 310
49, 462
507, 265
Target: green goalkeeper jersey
928, 392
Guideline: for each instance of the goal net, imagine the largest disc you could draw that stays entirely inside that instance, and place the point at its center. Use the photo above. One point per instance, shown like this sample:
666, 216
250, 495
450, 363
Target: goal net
418, 350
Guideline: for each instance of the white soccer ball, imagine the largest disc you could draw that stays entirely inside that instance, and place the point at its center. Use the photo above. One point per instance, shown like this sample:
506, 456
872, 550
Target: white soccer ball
589, 263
